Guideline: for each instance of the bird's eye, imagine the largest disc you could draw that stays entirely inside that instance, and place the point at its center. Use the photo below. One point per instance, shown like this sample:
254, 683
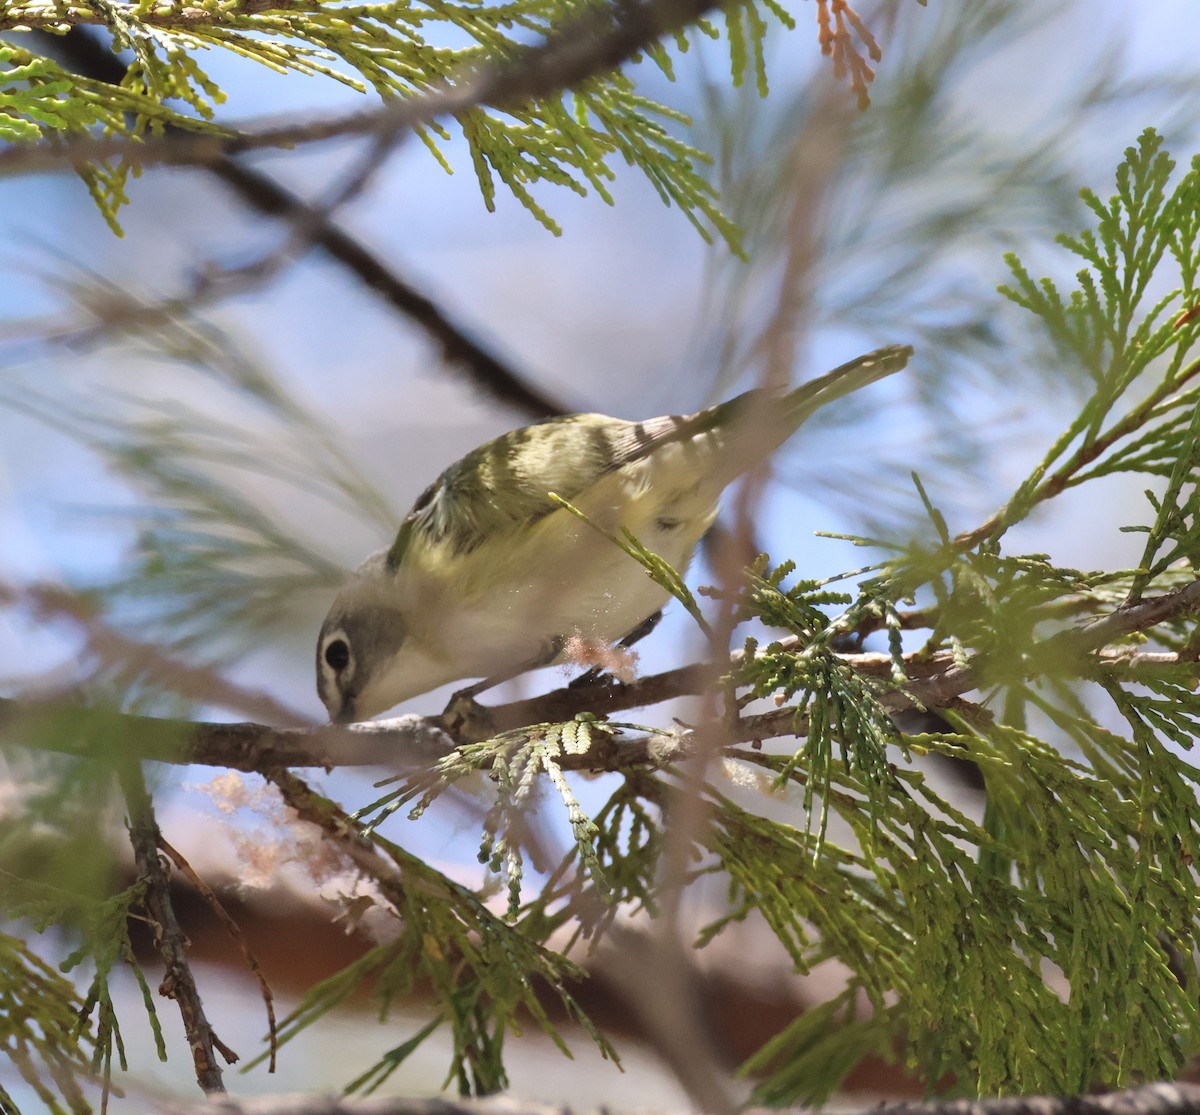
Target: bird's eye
337, 654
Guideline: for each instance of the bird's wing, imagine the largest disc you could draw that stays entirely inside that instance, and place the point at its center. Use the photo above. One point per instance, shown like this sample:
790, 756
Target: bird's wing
502, 487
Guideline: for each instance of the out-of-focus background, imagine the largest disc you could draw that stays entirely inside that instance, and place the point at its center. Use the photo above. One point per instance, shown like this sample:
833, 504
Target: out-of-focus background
280, 432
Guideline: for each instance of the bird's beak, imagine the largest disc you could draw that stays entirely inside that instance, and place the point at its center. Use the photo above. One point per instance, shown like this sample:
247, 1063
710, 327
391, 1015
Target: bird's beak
345, 715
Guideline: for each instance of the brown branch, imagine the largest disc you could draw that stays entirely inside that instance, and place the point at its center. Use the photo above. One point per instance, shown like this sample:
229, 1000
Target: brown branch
1137, 617
239, 939
595, 42
934, 681
943, 690
1149, 1099
1067, 475
146, 661
85, 54
458, 348
178, 982
335, 823
402, 740
88, 732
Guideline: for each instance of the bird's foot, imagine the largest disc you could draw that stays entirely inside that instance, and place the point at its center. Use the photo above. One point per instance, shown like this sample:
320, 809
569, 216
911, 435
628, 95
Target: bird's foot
466, 719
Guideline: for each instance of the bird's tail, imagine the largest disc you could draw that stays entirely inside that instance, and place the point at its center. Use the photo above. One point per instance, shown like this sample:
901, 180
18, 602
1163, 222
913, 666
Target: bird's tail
750, 427
799, 404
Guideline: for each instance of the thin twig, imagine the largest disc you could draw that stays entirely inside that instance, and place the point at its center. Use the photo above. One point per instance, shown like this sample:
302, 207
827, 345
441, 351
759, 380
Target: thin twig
178, 982
1068, 474
485, 369
335, 823
1137, 617
596, 42
239, 938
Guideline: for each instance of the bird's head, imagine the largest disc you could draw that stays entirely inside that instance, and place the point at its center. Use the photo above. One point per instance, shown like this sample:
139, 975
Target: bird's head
361, 651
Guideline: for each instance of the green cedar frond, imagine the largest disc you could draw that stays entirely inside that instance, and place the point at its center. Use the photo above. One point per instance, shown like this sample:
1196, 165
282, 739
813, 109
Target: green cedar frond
516, 761
46, 1035
480, 969
392, 49
38, 98
962, 962
1145, 231
67, 1026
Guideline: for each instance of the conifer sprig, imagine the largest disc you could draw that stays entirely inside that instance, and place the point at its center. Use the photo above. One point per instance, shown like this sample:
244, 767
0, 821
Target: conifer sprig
398, 51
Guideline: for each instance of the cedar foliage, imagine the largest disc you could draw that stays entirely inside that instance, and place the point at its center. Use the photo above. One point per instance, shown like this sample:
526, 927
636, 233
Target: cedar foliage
1044, 945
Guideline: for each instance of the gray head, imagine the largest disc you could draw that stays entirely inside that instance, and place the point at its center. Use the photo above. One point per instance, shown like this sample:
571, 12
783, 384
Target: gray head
358, 645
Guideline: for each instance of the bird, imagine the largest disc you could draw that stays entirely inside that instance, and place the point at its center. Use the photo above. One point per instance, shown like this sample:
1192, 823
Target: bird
490, 575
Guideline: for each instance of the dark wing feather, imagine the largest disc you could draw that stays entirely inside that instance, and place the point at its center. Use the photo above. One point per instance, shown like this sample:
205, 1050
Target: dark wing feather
503, 486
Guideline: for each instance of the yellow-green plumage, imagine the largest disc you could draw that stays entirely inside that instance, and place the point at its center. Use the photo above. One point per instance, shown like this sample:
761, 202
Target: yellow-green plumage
488, 574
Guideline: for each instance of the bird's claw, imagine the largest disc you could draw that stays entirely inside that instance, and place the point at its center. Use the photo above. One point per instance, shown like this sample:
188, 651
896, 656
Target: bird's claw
466, 719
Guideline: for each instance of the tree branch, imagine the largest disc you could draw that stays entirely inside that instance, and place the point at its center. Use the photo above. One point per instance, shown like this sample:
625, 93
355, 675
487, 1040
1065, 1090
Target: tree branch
1038, 489
85, 732
1149, 1099
178, 982
598, 41
85, 54
1137, 617
937, 681
239, 939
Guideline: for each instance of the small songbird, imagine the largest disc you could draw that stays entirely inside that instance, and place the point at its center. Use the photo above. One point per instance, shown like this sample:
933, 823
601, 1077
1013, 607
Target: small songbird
489, 577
